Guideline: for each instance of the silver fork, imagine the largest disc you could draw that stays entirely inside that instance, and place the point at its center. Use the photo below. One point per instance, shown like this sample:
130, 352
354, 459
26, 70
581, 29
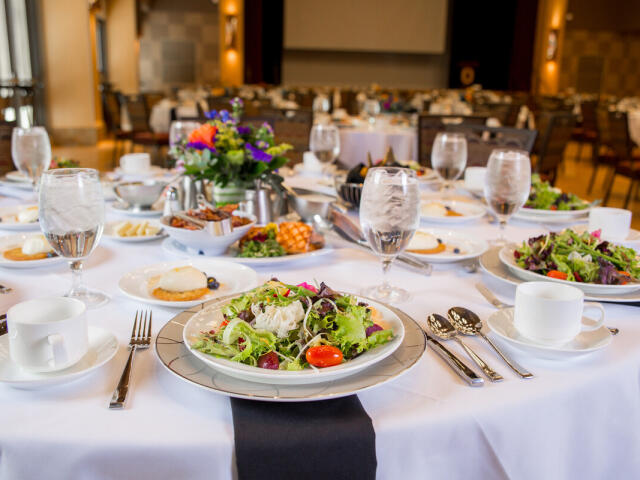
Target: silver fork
140, 340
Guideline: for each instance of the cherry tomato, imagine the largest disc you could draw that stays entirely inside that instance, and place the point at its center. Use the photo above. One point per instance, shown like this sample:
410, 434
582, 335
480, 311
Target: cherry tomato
324, 356
557, 274
553, 207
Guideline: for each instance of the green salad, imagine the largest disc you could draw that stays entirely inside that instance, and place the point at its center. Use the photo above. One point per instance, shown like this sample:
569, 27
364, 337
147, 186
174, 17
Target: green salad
262, 243
579, 258
292, 327
545, 197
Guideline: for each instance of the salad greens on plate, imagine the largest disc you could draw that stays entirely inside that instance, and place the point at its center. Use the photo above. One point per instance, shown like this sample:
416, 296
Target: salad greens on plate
292, 327
579, 258
545, 197
263, 244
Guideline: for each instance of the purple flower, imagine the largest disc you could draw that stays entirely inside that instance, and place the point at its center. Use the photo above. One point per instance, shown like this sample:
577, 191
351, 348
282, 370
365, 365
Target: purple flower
262, 145
268, 127
237, 102
212, 114
258, 154
244, 130
224, 115
200, 146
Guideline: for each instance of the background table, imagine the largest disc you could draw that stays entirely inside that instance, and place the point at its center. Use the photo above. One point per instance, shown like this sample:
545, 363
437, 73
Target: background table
576, 419
355, 142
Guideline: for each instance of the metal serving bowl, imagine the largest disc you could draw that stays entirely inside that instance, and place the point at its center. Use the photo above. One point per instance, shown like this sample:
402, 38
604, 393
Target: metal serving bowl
307, 203
139, 195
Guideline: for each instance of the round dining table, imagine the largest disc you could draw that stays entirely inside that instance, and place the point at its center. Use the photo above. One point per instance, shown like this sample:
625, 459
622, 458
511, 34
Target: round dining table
579, 417
356, 141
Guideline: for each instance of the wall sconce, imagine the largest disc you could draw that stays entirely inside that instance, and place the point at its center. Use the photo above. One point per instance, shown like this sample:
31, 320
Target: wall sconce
552, 45
231, 32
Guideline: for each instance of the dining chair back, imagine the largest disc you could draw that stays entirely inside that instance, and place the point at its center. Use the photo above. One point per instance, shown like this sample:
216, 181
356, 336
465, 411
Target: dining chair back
111, 110
219, 103
482, 140
554, 139
6, 164
136, 106
293, 127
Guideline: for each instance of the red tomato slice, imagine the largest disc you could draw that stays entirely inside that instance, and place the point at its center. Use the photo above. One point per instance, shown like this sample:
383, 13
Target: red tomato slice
557, 274
324, 356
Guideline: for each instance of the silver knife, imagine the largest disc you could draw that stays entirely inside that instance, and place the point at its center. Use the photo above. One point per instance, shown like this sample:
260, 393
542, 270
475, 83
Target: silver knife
3, 324
457, 365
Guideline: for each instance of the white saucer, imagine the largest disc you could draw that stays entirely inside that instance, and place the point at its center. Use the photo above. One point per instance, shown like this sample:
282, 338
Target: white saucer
501, 323
103, 345
123, 208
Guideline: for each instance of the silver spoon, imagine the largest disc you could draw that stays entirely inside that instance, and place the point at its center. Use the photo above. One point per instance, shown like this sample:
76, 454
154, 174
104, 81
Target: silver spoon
468, 323
441, 327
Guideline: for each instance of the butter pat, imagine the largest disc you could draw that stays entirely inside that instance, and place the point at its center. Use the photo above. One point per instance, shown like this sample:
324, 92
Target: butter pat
182, 279
35, 245
28, 215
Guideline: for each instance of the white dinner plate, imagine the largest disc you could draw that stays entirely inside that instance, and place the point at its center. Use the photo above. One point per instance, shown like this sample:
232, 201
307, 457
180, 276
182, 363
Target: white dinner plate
124, 209
173, 247
501, 323
103, 345
211, 317
470, 212
18, 177
179, 361
536, 212
17, 240
233, 278
506, 257
19, 185
491, 264
10, 220
469, 247
110, 232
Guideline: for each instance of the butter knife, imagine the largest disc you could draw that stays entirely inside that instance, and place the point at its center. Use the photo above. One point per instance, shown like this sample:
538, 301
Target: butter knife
457, 365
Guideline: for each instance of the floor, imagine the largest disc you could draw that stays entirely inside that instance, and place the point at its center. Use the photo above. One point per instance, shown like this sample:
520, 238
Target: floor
573, 176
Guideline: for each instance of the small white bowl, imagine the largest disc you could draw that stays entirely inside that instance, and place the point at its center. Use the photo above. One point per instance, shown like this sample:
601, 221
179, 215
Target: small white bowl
202, 241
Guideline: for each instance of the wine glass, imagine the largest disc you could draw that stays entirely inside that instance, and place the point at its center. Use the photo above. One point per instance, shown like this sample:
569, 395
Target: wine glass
71, 209
449, 157
389, 216
507, 184
31, 152
371, 109
324, 142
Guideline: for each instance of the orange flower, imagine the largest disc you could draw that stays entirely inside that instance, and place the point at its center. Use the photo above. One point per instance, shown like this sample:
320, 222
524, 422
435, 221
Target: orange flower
205, 135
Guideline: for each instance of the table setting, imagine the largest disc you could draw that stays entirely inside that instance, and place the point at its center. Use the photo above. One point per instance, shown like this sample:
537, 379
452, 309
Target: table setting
366, 335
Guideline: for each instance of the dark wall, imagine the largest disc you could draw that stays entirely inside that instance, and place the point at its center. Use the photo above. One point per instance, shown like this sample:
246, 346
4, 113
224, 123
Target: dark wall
263, 27
496, 40
615, 15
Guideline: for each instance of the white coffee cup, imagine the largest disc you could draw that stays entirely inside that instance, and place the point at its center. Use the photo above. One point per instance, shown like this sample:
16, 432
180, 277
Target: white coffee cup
135, 163
47, 334
614, 223
474, 178
549, 313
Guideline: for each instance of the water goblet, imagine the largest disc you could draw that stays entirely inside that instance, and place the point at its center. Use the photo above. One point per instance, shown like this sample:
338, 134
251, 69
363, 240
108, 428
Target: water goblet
71, 209
389, 216
449, 157
31, 152
324, 142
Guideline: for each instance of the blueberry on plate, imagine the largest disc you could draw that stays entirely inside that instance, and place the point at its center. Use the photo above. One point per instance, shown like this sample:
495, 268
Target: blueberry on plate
212, 283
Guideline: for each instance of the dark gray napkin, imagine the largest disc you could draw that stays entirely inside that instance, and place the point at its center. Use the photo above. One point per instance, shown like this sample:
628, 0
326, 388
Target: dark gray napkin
330, 439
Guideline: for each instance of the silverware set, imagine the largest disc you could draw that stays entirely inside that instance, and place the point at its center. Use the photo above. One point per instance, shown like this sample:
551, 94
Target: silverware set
140, 340
463, 321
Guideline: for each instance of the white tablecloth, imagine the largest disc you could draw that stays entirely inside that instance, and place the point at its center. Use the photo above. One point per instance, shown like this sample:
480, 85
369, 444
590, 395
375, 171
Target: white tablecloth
357, 141
578, 418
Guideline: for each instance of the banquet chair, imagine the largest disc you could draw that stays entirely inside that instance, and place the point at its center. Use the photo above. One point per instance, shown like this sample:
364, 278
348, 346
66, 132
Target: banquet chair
482, 140
142, 135
294, 127
219, 103
617, 152
151, 98
6, 165
430, 125
500, 111
111, 116
555, 133
587, 132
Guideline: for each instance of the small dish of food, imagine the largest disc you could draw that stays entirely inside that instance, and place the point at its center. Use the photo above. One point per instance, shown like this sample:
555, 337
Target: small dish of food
450, 211
21, 217
134, 232
201, 240
443, 246
186, 283
26, 251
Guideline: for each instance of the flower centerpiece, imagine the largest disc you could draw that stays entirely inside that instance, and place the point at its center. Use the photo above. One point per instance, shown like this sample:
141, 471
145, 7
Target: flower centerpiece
230, 154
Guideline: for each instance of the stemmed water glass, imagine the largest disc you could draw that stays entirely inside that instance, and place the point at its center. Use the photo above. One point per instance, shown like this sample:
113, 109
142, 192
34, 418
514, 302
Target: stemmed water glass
324, 142
31, 152
389, 216
449, 157
371, 109
71, 209
507, 184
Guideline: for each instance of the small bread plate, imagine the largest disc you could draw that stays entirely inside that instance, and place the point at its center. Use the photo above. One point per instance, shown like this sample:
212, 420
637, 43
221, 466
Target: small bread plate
9, 218
450, 247
103, 345
111, 229
501, 324
15, 241
450, 212
232, 277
